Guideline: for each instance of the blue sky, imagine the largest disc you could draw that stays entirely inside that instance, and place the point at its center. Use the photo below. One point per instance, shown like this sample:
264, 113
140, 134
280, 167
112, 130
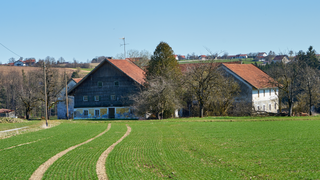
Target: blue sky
86, 29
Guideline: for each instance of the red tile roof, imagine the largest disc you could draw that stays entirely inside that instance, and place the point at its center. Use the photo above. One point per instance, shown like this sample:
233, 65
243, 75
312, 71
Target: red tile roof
251, 74
5, 110
76, 79
129, 69
280, 57
185, 67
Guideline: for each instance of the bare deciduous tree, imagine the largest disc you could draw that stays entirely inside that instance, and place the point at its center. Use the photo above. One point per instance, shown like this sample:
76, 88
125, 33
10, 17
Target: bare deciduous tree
156, 98
29, 92
208, 86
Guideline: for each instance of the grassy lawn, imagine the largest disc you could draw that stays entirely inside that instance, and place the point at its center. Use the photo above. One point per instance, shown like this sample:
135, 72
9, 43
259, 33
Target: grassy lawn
186, 148
21, 161
7, 126
223, 150
245, 61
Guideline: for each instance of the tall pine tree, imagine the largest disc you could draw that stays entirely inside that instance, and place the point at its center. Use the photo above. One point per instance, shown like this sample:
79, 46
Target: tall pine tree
163, 63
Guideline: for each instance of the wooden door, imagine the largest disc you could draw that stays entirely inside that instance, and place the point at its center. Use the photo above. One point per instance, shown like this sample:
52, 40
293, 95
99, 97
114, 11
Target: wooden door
111, 113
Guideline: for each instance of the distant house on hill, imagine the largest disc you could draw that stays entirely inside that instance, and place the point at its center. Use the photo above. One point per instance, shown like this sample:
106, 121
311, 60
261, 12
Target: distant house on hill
281, 58
262, 54
61, 106
241, 56
27, 62
104, 92
19, 63
255, 85
7, 113
180, 57
203, 57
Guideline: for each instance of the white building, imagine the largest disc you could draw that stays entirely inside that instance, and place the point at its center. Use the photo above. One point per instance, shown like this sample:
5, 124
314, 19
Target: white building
255, 85
19, 63
61, 106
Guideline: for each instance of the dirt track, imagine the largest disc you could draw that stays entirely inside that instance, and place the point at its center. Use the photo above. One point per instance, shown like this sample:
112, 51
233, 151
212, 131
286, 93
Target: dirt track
38, 174
100, 167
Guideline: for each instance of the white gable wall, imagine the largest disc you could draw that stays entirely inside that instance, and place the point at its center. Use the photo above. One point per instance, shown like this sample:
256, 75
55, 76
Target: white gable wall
249, 93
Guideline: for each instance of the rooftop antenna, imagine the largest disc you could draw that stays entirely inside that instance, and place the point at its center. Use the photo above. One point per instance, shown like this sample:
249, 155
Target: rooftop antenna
124, 46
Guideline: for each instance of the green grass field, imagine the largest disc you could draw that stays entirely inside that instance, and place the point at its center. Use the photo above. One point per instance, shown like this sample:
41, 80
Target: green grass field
245, 61
17, 125
189, 148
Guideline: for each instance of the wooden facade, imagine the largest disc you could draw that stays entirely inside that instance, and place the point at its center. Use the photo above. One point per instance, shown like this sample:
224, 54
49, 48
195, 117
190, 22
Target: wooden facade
104, 92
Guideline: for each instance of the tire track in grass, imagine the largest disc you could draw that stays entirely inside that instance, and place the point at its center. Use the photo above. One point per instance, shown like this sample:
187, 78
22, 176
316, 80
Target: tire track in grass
24, 143
101, 168
38, 174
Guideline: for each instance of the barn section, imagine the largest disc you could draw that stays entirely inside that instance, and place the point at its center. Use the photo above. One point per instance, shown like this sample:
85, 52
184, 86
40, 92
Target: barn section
104, 92
255, 85
7, 113
61, 106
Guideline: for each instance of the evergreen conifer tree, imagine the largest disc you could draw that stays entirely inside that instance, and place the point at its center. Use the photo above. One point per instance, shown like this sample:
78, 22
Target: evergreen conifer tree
163, 63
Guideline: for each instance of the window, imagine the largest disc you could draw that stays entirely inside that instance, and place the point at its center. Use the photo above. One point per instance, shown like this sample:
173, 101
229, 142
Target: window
99, 83
275, 105
113, 97
270, 91
258, 108
97, 112
258, 95
85, 98
96, 98
269, 106
85, 112
116, 83
264, 107
264, 93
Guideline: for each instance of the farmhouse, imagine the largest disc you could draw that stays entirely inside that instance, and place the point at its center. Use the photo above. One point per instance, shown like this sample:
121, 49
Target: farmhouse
104, 92
281, 58
255, 85
61, 106
7, 113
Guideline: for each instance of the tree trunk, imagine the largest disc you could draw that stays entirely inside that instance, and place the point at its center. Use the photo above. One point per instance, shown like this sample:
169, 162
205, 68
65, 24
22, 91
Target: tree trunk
201, 110
310, 105
290, 107
27, 113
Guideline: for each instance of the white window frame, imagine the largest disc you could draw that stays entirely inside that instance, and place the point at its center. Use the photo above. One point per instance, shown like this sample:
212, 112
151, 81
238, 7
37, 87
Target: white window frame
96, 98
85, 98
86, 110
95, 114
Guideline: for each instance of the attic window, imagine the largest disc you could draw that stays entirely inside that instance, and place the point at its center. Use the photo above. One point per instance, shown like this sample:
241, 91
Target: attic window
99, 83
85, 98
96, 98
116, 83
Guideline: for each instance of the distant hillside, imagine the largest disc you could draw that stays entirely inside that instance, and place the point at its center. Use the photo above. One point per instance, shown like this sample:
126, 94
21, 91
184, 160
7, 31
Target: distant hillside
9, 69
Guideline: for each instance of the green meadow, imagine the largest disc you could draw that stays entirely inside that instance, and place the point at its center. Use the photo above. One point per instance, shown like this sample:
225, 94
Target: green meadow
190, 148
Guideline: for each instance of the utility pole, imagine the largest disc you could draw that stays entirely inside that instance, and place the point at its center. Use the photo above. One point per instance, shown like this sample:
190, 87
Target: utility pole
45, 92
124, 46
67, 96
